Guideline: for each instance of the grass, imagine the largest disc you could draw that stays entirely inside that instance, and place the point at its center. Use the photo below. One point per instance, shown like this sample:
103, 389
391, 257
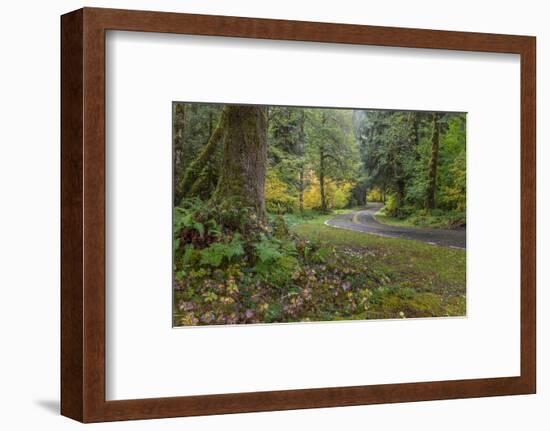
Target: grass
436, 219
406, 278
313, 216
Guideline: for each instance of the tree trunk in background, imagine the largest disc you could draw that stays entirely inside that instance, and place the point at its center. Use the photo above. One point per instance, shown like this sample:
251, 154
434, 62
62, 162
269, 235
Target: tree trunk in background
302, 143
322, 180
244, 160
400, 193
178, 118
398, 174
210, 124
414, 138
301, 188
359, 193
193, 172
432, 172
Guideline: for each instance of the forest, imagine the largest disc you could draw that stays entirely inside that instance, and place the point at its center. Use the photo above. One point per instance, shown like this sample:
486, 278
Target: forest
286, 214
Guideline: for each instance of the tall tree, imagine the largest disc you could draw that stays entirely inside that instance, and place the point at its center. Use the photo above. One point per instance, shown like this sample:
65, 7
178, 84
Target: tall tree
331, 147
178, 130
302, 165
386, 148
432, 171
190, 184
242, 173
192, 130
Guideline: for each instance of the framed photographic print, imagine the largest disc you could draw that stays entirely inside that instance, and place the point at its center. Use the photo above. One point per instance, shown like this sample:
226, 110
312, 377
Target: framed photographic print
267, 215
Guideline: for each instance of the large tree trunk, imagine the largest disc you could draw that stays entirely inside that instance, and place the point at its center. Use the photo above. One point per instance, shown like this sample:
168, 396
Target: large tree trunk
244, 161
432, 172
178, 129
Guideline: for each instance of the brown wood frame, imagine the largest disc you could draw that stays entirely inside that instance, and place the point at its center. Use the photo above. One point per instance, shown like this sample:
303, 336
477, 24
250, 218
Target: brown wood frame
83, 214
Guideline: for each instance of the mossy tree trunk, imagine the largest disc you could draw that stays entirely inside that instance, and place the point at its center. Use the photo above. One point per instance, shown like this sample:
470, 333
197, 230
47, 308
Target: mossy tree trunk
178, 121
322, 157
189, 185
432, 171
244, 159
301, 175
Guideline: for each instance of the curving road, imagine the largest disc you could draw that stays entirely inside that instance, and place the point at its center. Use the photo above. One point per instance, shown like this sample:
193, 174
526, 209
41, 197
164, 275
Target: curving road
364, 221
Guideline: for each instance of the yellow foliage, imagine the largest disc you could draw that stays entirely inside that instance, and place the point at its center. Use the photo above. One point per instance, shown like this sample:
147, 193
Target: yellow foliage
341, 195
312, 193
375, 195
277, 197
337, 194
274, 188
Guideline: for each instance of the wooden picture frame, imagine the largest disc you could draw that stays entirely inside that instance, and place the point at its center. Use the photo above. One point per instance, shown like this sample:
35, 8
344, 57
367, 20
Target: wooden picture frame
83, 214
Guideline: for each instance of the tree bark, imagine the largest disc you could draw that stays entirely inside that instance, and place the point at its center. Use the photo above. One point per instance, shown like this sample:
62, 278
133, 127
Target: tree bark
193, 172
400, 185
432, 172
301, 179
301, 189
360, 193
322, 180
415, 138
244, 160
178, 129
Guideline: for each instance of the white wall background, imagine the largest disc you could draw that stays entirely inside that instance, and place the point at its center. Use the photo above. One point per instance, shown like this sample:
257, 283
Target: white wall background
29, 218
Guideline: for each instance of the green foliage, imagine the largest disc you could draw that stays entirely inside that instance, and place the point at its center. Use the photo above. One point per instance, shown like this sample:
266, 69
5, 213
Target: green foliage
321, 255
191, 256
280, 227
453, 193
396, 150
193, 126
267, 250
184, 219
442, 219
219, 252
275, 259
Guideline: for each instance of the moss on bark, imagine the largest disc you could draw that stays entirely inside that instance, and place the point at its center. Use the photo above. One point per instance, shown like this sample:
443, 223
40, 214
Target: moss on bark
244, 161
187, 186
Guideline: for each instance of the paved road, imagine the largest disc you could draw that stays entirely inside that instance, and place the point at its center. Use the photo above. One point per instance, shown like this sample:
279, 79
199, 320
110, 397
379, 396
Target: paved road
364, 221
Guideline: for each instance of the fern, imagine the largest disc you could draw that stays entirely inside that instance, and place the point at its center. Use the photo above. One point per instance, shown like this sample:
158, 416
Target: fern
234, 248
216, 253
213, 255
321, 255
186, 220
267, 250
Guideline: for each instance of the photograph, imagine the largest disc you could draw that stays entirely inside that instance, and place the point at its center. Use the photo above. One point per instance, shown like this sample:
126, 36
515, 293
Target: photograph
288, 214
238, 215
